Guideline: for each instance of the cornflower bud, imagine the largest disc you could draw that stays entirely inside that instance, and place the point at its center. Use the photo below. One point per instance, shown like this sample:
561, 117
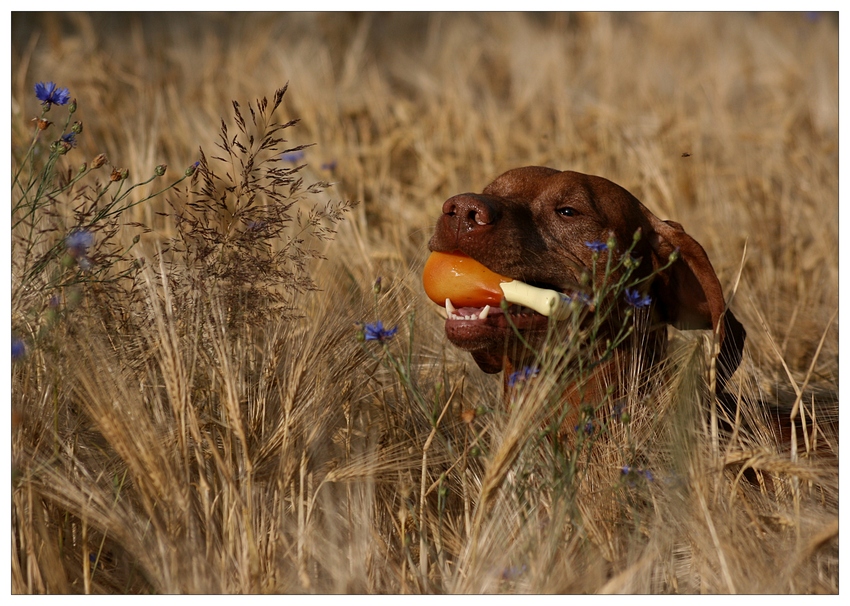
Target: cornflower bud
60, 147
99, 160
73, 107
160, 170
377, 286
41, 123
69, 140
77, 127
82, 168
125, 174
116, 175
191, 170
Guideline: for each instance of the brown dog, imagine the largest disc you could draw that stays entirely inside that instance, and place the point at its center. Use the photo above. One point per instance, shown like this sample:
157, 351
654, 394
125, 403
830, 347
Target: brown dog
541, 226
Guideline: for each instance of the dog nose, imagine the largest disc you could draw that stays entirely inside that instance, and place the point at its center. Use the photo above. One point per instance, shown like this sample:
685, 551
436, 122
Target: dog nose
471, 211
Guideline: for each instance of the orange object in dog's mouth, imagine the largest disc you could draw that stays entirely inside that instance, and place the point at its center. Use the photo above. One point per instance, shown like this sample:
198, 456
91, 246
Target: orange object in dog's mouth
462, 280
464, 285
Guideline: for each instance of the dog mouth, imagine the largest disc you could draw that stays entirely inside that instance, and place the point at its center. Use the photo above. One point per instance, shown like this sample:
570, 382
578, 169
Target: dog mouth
519, 315
528, 311
479, 328
483, 309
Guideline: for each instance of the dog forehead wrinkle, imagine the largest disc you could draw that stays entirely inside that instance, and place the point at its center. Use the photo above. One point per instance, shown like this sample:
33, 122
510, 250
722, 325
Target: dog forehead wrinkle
527, 181
613, 208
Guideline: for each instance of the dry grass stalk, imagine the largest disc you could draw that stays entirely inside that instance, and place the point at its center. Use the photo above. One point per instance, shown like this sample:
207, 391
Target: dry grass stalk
213, 425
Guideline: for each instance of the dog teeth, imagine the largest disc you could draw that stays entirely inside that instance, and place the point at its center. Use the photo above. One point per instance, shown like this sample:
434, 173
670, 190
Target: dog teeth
452, 314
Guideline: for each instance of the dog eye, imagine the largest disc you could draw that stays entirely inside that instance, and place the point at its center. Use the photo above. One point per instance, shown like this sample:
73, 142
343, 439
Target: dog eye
567, 211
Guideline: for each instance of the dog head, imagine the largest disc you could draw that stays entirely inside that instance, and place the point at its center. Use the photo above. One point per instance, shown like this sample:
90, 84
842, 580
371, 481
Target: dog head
546, 228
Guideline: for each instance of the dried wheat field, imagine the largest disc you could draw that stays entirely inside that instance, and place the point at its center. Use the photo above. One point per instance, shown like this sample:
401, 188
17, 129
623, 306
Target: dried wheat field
195, 408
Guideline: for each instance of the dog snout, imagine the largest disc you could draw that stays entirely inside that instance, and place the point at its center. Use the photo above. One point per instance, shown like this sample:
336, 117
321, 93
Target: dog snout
470, 211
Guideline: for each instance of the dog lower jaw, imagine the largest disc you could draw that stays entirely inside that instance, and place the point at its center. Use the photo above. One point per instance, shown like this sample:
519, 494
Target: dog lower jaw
493, 339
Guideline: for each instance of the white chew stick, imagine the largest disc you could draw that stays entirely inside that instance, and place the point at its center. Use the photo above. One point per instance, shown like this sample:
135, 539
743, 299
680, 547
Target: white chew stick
542, 300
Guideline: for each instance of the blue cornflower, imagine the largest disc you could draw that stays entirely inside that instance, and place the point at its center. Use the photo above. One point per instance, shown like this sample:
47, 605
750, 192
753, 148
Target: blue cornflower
634, 471
70, 139
18, 349
329, 166
522, 375
377, 332
587, 429
581, 297
621, 414
293, 156
78, 242
48, 93
636, 299
596, 246
512, 572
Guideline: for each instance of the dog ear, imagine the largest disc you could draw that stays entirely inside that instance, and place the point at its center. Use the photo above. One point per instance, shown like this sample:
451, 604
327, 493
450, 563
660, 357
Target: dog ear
689, 295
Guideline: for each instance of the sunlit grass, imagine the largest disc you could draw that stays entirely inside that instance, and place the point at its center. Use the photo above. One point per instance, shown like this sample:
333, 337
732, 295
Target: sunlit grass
213, 418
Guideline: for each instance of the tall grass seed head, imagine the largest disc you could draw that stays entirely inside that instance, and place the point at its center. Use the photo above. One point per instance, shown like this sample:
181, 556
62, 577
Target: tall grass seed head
74, 297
